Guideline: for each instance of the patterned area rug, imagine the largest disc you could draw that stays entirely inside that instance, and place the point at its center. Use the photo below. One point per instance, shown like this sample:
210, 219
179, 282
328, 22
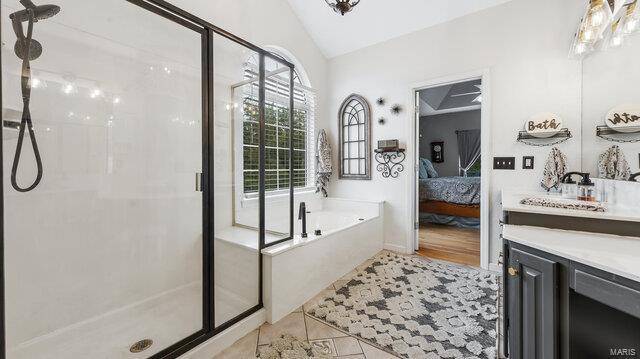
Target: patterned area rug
417, 308
290, 347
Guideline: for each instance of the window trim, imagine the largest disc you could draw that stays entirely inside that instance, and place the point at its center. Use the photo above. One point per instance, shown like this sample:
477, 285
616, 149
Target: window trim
367, 138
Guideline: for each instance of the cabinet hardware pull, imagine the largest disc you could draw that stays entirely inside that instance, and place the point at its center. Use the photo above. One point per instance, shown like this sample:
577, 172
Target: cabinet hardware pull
513, 272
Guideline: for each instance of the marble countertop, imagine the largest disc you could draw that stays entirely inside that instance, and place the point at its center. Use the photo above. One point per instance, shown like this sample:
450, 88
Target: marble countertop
511, 202
614, 254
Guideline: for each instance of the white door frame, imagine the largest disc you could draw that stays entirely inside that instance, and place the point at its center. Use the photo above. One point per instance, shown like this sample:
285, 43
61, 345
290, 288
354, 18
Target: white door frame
486, 148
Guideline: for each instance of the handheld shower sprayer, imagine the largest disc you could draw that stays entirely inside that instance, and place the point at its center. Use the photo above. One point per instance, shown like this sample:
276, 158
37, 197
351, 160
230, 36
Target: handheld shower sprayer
28, 49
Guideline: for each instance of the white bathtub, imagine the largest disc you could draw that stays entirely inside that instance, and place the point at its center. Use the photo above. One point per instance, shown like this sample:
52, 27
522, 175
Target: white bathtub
295, 271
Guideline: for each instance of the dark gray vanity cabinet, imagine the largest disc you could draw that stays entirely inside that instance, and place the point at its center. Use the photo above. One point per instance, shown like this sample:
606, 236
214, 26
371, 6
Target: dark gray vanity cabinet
533, 297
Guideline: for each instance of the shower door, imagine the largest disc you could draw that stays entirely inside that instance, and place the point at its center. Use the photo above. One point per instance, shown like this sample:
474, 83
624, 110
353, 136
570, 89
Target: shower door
104, 258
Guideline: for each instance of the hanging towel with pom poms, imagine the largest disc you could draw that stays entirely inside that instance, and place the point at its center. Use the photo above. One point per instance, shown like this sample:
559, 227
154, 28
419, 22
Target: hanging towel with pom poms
554, 169
612, 164
324, 169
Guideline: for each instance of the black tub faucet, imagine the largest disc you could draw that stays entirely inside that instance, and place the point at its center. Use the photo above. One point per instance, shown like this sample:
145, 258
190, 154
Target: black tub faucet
302, 215
635, 177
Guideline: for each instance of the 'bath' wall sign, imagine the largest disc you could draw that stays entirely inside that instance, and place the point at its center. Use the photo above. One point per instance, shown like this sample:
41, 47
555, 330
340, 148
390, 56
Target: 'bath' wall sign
543, 125
624, 118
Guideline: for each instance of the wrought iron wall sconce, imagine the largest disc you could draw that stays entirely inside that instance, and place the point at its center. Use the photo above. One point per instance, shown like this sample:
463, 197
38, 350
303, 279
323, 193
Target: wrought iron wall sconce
390, 162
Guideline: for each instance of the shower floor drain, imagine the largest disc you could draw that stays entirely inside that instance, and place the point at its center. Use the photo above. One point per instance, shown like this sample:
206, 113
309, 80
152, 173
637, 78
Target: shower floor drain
141, 346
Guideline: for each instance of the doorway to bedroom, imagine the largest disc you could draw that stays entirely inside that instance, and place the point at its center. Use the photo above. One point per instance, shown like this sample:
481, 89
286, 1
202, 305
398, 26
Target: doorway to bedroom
449, 156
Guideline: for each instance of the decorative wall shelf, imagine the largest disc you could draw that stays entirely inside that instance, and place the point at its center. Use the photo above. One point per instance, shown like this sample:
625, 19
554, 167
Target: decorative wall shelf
608, 134
528, 139
390, 162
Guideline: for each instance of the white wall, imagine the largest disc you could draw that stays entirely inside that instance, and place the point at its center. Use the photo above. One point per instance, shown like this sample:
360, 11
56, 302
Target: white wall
524, 44
443, 128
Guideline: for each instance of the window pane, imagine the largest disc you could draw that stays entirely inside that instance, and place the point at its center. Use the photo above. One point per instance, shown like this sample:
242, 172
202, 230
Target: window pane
299, 140
251, 157
251, 133
283, 178
270, 114
251, 182
251, 110
283, 117
271, 181
271, 139
283, 137
300, 119
271, 155
299, 159
283, 159
300, 178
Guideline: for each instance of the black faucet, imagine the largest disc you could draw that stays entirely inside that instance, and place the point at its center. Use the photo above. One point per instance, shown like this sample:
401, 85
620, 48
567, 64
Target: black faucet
634, 177
567, 178
302, 215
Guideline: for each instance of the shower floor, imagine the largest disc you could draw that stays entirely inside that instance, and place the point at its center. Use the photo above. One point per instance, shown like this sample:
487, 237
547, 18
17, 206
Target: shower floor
165, 319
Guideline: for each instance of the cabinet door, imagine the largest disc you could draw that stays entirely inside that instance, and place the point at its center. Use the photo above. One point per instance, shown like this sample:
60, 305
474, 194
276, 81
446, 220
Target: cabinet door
533, 305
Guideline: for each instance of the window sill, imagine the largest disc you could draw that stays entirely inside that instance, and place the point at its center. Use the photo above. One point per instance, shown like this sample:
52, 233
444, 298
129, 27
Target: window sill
275, 197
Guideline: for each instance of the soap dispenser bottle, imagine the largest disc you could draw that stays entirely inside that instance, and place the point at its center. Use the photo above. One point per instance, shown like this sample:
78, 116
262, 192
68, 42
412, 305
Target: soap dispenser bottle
586, 189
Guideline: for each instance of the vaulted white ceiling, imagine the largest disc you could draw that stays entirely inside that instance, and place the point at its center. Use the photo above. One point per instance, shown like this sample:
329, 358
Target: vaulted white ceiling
375, 21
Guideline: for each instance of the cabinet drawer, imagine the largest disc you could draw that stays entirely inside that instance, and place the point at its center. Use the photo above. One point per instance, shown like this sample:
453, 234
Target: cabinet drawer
615, 295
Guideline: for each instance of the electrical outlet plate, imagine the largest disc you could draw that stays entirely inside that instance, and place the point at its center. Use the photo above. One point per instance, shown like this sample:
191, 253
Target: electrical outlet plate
527, 162
504, 163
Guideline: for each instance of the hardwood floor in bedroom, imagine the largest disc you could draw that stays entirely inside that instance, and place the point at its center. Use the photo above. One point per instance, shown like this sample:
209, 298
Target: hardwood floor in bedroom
452, 244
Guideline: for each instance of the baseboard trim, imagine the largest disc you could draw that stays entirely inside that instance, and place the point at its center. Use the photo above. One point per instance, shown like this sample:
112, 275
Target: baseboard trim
396, 248
495, 267
224, 340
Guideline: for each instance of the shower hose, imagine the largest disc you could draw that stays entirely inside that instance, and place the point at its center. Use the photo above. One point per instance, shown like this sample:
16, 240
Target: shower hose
26, 122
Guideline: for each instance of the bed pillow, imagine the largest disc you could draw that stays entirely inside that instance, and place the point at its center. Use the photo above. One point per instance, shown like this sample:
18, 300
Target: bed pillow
423, 174
431, 172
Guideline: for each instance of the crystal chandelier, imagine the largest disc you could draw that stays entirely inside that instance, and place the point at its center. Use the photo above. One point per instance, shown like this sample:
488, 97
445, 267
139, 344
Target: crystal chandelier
342, 6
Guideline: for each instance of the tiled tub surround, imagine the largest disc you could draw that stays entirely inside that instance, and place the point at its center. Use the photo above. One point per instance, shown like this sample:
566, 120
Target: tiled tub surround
294, 271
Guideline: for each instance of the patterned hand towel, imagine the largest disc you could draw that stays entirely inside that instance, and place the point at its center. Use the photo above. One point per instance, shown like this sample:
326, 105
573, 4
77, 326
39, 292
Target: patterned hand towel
554, 169
324, 169
613, 164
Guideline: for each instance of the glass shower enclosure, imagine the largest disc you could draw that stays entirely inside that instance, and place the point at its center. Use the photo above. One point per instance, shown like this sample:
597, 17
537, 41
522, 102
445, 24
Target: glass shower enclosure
136, 210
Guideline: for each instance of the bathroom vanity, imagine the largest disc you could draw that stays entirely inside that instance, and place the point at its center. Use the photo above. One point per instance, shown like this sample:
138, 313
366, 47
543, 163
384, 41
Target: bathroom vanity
571, 280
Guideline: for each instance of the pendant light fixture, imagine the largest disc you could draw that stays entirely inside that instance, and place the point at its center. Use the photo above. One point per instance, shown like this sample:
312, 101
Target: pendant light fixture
342, 6
631, 19
595, 22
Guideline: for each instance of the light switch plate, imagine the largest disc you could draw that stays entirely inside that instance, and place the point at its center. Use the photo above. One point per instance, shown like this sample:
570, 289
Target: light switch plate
504, 163
527, 162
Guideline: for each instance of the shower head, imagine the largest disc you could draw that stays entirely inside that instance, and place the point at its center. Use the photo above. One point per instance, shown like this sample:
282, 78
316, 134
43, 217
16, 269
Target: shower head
40, 12
31, 13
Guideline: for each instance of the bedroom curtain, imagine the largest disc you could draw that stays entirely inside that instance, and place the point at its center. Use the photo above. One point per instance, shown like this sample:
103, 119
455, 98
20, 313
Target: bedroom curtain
469, 148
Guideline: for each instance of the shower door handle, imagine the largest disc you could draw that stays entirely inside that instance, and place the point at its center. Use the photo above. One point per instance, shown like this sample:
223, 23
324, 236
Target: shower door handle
198, 182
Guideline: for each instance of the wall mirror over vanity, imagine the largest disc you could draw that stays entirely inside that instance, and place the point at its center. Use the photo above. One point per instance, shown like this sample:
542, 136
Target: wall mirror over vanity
572, 268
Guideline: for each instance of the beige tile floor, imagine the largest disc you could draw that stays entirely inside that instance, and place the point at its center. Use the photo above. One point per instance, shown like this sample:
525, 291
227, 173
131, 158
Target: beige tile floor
341, 345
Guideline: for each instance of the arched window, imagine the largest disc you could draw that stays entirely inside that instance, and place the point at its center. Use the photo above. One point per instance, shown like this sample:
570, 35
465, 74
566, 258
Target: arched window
278, 131
354, 133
